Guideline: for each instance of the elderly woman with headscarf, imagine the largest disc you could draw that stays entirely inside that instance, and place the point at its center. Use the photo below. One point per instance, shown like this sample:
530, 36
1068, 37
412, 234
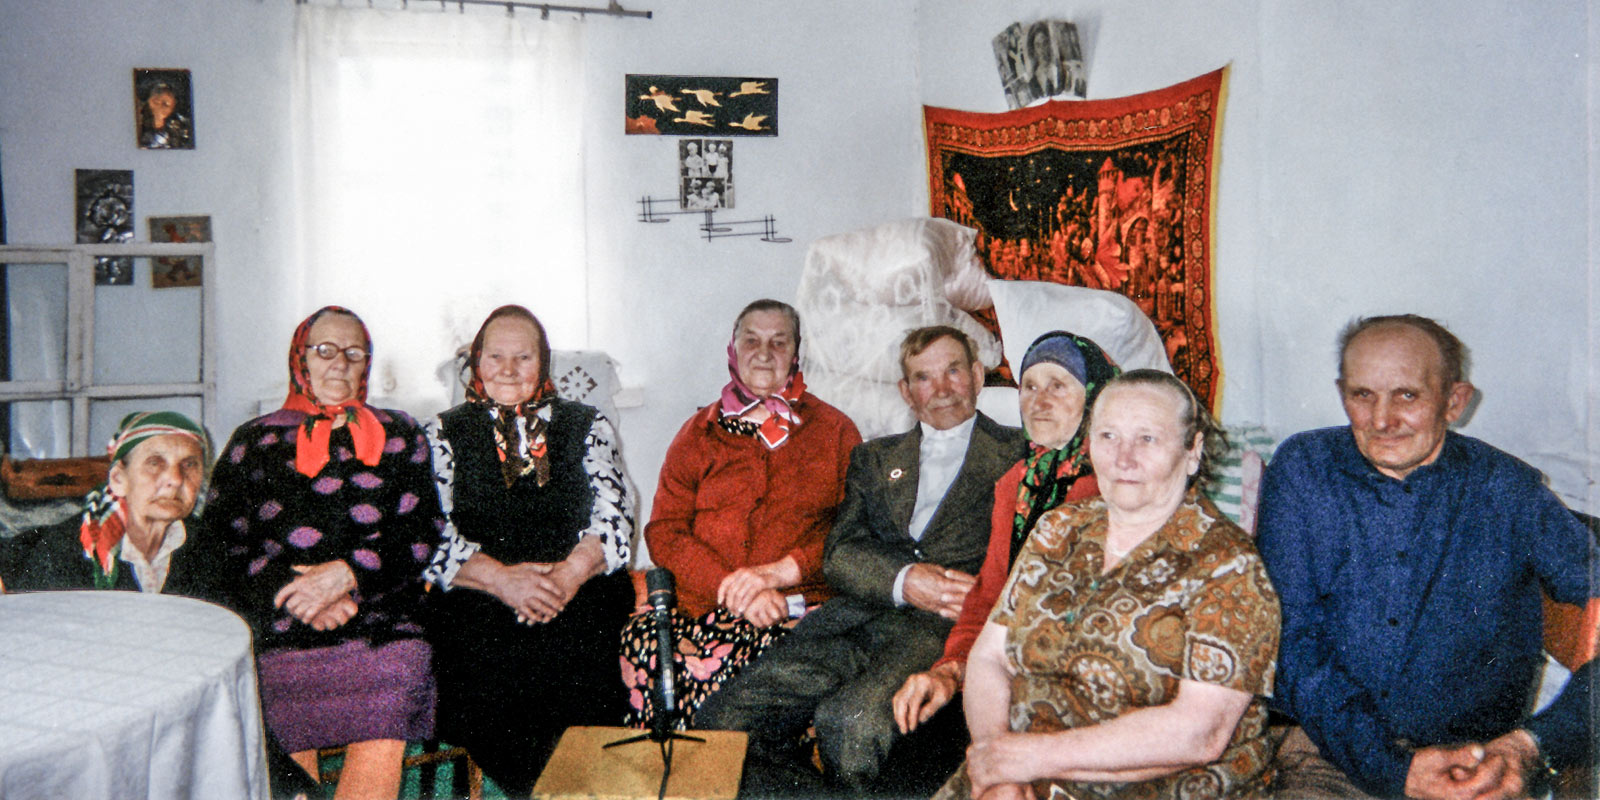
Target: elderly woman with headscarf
532, 561
1138, 633
328, 511
746, 497
1062, 374
136, 532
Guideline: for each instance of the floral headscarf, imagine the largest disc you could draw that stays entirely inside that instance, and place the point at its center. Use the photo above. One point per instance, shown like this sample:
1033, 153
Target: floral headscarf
105, 519
520, 433
738, 399
311, 449
1049, 473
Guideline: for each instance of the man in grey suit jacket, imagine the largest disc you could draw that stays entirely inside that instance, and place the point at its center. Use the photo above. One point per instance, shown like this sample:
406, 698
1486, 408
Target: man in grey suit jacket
909, 537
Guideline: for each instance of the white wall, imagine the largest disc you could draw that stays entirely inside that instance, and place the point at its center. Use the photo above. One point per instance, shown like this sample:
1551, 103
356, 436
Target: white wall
1425, 155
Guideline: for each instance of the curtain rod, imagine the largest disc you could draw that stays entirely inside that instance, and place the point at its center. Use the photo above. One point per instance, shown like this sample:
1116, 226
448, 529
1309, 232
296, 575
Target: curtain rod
613, 9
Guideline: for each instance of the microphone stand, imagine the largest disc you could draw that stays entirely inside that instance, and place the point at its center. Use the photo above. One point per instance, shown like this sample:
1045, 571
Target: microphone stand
662, 596
664, 736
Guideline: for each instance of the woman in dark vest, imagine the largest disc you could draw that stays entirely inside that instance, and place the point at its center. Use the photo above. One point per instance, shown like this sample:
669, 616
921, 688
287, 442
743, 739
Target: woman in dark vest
533, 561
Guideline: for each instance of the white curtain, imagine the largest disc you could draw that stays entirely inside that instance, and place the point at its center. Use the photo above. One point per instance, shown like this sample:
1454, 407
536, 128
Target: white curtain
439, 171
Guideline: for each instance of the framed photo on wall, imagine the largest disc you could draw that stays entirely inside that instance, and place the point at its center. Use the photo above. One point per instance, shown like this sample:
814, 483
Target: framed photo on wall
104, 214
174, 272
163, 109
705, 174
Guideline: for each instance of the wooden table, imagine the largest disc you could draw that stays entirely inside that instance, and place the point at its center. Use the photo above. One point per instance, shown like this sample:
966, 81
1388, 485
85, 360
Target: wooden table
127, 695
582, 768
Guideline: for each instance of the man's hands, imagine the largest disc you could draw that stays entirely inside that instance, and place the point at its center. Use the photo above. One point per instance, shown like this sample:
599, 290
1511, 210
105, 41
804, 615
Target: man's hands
320, 595
1522, 757
752, 592
925, 693
1498, 770
931, 587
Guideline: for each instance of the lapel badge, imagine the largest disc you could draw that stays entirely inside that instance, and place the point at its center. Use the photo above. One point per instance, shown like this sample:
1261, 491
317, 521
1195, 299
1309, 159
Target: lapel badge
896, 474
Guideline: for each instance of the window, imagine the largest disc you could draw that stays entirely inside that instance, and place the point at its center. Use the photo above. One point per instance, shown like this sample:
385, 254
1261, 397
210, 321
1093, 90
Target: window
440, 169
79, 356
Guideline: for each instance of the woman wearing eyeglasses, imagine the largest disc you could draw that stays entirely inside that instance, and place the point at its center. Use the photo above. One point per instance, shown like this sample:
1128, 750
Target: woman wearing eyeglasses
328, 513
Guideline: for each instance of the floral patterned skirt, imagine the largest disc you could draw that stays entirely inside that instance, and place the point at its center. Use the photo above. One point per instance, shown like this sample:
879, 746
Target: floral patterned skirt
710, 651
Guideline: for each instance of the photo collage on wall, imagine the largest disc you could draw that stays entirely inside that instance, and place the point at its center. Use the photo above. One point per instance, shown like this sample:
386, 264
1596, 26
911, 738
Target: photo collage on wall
714, 107
163, 117
705, 174
1040, 60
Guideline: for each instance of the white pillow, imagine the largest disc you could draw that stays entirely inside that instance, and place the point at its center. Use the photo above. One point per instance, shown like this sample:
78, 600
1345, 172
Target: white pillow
874, 406
904, 262
1028, 309
863, 339
1001, 404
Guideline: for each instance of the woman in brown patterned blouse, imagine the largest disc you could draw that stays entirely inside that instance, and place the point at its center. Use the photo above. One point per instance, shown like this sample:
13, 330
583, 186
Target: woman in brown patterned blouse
1132, 647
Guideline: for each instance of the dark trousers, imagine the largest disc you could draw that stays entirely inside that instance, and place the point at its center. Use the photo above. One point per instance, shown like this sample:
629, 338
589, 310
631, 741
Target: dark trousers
840, 681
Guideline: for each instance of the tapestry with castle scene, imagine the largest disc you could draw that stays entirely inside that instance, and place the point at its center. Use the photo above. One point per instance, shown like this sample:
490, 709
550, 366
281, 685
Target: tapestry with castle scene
1110, 194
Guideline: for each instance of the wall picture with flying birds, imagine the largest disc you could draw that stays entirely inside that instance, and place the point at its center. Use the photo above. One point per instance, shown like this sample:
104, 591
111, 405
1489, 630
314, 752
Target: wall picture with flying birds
680, 105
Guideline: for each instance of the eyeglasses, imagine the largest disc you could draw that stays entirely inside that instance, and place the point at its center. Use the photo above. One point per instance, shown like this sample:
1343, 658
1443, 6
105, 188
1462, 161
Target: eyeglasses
327, 350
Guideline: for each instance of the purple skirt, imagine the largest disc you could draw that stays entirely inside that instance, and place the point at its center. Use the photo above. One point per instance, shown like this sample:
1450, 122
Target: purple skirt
353, 692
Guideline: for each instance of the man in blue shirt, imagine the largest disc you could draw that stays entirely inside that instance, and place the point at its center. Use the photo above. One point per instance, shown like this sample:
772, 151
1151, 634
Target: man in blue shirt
1409, 560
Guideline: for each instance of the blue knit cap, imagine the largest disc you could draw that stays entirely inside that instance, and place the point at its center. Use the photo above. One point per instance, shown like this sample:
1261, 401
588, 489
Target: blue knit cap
1056, 347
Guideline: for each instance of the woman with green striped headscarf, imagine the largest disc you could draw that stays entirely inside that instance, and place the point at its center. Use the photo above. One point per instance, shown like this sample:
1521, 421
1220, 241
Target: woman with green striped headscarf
135, 529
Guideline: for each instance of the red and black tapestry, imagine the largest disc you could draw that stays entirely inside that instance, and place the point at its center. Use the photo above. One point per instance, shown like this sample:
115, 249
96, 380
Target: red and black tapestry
1110, 194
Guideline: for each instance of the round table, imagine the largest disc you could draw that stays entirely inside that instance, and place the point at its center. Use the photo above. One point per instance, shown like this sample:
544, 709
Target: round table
127, 695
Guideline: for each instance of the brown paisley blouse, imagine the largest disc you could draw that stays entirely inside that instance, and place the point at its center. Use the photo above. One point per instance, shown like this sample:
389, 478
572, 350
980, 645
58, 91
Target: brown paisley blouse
1190, 602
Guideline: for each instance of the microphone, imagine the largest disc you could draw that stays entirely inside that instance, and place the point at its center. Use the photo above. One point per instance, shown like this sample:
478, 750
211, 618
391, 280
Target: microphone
663, 595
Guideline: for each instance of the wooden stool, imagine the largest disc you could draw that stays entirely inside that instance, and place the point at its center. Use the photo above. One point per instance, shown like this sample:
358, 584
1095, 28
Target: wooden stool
581, 768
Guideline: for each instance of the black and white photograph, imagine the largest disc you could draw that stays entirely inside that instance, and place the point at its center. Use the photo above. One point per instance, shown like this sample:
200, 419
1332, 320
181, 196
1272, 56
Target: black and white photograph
704, 194
176, 272
104, 216
1040, 60
705, 173
163, 108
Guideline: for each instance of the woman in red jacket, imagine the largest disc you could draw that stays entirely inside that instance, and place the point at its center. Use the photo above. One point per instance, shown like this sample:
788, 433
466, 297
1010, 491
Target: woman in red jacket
746, 497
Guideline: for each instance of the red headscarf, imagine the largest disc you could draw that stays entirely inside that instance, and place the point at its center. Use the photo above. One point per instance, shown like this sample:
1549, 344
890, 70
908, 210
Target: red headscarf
519, 431
311, 451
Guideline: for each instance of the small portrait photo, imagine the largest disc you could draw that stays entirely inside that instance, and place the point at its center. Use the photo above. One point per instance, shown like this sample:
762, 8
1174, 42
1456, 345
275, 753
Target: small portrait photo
1048, 78
691, 161
704, 194
1013, 64
1071, 52
104, 215
163, 109
174, 272
718, 155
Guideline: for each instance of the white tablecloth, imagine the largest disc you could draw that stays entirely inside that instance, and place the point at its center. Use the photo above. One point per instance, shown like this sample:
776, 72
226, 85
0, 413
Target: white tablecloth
126, 695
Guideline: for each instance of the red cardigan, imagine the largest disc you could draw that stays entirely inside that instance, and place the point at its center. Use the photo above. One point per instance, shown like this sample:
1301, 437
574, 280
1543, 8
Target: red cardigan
726, 501
996, 561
